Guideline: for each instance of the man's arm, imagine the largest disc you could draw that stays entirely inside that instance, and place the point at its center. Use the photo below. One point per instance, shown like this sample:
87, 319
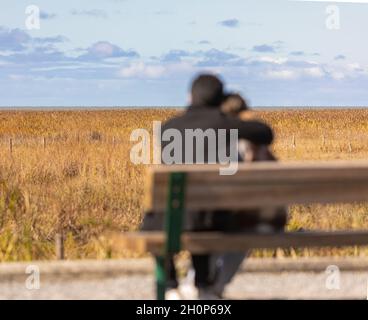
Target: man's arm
256, 132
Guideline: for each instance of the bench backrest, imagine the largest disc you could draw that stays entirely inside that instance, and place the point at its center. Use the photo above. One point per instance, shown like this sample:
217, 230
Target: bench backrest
261, 184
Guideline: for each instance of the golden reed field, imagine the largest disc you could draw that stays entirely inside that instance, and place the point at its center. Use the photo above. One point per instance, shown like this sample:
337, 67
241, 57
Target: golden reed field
69, 172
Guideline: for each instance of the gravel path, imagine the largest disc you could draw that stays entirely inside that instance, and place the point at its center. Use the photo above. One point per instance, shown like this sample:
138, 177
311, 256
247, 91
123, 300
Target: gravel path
292, 285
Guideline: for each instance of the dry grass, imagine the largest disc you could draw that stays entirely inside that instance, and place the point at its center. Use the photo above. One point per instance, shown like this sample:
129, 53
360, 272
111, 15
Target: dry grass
79, 179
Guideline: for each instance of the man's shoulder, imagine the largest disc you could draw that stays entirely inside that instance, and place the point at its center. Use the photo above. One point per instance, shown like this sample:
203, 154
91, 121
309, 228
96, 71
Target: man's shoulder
209, 119
192, 118
174, 122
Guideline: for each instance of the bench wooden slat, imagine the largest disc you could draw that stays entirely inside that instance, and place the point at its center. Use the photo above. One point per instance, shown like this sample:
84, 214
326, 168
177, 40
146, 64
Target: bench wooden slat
205, 242
262, 184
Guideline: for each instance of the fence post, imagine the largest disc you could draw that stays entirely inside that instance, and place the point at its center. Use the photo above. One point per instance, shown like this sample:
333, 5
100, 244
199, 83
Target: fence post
11, 145
59, 246
293, 142
44, 142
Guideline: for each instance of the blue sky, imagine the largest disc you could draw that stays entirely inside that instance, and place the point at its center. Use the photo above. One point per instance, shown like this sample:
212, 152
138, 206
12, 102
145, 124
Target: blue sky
144, 53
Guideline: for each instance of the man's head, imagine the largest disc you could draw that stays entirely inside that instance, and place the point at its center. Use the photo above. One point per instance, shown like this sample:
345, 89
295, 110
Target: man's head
207, 90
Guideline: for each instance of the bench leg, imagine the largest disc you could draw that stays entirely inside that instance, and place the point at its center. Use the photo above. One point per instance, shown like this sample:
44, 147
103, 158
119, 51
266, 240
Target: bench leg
173, 227
160, 278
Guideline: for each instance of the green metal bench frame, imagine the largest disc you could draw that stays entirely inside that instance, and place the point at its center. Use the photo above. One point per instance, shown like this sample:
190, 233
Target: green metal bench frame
173, 228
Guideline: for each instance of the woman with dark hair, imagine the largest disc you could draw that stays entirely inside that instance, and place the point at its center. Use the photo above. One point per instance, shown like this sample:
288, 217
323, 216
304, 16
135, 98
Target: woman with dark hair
235, 105
225, 266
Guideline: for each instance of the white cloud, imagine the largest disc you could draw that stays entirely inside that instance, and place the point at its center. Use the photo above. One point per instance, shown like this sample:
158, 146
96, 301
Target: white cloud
343, 71
315, 72
18, 77
140, 69
295, 73
354, 67
337, 75
105, 49
276, 60
281, 74
154, 71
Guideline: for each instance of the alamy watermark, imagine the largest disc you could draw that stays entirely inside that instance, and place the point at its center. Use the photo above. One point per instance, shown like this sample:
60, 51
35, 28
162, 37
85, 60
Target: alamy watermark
333, 17
333, 280
33, 17
33, 281
173, 146
332, 11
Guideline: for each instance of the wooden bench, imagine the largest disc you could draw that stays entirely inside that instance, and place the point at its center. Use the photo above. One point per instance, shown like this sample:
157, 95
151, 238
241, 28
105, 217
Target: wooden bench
172, 190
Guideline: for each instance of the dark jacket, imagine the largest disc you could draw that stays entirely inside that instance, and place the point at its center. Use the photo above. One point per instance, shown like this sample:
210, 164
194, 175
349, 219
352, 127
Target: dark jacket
212, 118
204, 118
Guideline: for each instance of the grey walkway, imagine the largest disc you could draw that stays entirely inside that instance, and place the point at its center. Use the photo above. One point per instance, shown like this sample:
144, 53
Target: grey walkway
134, 280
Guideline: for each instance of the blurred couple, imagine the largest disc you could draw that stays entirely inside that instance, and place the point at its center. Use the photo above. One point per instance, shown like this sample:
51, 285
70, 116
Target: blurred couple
212, 108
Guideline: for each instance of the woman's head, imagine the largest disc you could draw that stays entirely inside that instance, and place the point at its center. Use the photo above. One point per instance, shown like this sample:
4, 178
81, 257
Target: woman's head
234, 104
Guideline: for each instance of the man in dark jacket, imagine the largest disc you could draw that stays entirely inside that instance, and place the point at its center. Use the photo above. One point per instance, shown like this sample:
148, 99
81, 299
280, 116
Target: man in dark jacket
204, 113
